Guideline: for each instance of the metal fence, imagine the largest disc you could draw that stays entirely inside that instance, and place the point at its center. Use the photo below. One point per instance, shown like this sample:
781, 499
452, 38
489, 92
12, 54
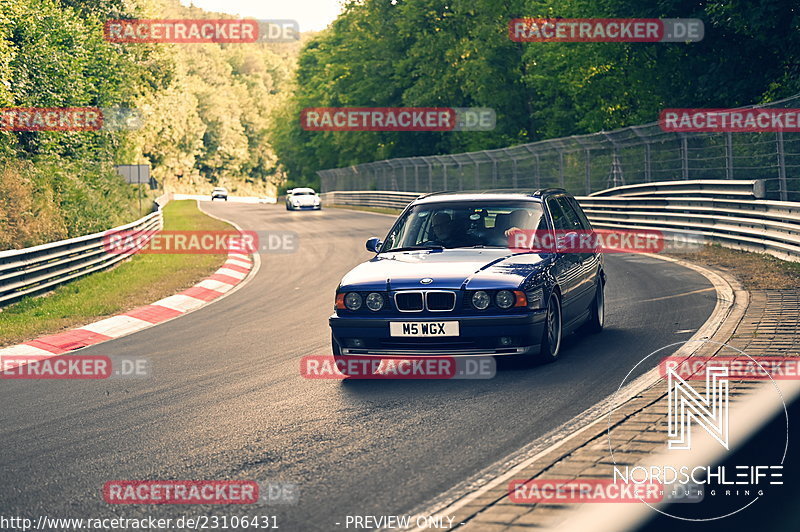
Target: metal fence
35, 270
587, 163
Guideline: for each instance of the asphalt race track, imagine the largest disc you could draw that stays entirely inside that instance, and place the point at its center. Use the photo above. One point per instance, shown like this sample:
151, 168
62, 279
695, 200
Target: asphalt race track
226, 400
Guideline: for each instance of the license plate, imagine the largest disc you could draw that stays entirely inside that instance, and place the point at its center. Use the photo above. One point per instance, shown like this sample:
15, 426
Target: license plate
424, 328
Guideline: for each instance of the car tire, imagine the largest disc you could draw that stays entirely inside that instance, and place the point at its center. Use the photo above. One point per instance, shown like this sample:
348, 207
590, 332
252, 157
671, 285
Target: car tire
597, 312
538, 354
553, 333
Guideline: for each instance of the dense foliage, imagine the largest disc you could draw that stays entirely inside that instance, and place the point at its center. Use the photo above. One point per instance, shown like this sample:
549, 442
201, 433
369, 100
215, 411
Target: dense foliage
457, 53
207, 112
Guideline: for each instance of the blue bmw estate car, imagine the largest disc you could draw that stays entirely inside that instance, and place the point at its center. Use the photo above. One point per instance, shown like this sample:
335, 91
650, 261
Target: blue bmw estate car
445, 282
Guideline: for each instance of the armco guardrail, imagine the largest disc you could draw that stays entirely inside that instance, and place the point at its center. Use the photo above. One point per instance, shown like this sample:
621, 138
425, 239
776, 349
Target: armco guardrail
726, 212
370, 198
718, 188
31, 271
764, 226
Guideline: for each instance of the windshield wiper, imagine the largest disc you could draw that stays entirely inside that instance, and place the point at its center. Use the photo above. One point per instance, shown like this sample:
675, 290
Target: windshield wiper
415, 248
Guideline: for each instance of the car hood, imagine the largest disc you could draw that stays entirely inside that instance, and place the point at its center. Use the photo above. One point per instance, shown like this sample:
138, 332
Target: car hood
451, 269
304, 200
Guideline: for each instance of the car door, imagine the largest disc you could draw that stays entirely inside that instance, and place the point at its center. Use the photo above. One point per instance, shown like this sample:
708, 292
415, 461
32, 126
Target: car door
596, 258
567, 268
589, 262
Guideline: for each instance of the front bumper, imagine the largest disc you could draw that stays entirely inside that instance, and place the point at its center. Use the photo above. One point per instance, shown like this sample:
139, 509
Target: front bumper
478, 336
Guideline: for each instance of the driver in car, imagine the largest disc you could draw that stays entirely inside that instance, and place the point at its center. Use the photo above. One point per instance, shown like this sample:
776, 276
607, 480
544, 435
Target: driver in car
446, 233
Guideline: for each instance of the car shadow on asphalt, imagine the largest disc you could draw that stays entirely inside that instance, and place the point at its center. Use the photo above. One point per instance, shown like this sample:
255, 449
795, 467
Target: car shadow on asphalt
577, 349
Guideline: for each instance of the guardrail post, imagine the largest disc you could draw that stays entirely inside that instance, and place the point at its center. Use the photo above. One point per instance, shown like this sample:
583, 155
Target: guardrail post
477, 175
648, 163
416, 177
444, 168
561, 168
729, 155
538, 173
784, 189
405, 182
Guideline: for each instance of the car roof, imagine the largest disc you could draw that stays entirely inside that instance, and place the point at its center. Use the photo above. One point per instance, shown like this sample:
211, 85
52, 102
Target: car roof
497, 194
302, 189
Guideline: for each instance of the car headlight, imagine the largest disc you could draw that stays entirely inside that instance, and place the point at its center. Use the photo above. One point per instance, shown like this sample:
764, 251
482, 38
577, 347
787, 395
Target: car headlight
505, 299
375, 301
353, 301
481, 300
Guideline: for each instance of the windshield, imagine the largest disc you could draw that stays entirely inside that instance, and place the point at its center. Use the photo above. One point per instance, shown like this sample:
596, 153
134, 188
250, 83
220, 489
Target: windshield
450, 225
302, 194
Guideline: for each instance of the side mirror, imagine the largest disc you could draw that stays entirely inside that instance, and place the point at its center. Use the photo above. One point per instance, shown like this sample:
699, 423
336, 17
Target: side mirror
567, 243
374, 245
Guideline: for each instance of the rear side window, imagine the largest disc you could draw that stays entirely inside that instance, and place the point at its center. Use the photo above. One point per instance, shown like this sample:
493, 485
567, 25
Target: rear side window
573, 223
560, 220
581, 215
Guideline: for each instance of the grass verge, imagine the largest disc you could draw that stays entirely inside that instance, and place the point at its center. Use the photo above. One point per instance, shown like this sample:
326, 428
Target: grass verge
139, 281
756, 271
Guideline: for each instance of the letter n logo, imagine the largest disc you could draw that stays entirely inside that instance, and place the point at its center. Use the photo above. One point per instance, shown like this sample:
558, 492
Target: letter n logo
685, 404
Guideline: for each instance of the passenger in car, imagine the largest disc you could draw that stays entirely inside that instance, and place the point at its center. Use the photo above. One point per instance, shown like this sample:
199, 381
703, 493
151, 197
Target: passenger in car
519, 220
